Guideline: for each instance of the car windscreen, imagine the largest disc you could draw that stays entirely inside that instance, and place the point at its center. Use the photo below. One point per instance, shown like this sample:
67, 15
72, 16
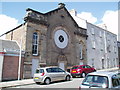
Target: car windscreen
39, 71
96, 81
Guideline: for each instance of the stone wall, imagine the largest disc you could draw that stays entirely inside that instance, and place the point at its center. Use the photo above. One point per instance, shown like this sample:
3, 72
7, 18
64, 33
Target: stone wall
101, 47
62, 20
48, 53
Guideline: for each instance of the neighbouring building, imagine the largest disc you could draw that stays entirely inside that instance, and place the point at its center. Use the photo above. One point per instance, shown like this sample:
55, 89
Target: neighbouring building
118, 21
102, 51
118, 34
119, 53
50, 39
9, 60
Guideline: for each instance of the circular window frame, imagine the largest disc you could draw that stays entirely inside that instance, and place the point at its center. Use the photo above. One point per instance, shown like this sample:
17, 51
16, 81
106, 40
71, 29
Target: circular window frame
64, 38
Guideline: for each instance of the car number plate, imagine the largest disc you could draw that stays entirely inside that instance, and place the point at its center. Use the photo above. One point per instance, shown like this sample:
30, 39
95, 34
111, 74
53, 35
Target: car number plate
73, 71
36, 78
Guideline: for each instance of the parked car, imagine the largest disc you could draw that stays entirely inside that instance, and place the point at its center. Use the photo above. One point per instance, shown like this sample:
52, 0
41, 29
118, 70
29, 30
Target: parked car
81, 70
49, 74
101, 80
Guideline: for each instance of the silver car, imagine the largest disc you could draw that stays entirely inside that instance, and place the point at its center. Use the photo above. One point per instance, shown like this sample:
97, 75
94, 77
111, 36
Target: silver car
49, 74
101, 80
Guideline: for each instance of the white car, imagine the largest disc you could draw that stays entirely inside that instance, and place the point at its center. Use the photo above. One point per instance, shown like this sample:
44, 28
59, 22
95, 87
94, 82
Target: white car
101, 80
49, 74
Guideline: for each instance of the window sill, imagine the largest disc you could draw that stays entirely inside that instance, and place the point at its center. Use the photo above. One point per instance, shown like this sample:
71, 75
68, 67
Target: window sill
35, 54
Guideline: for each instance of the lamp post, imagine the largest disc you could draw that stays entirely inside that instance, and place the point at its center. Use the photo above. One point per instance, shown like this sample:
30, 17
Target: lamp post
20, 57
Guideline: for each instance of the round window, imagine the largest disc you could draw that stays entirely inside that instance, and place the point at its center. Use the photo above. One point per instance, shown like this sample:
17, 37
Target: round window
61, 38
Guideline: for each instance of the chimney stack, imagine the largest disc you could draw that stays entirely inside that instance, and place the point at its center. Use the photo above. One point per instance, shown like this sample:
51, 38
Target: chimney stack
61, 5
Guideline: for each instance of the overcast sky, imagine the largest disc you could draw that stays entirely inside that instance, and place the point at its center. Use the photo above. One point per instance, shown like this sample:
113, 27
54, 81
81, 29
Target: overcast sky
12, 13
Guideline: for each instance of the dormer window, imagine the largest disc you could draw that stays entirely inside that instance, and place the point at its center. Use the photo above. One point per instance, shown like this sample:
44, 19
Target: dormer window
35, 44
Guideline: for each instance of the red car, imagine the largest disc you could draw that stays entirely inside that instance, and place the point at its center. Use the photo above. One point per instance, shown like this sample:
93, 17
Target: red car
81, 70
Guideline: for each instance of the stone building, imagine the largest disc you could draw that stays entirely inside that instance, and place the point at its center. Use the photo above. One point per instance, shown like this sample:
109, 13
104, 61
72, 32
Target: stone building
50, 39
119, 32
119, 53
102, 51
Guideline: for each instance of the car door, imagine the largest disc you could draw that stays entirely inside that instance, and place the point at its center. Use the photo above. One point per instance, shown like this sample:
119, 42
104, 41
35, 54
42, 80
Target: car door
56, 74
89, 69
61, 74
85, 69
51, 72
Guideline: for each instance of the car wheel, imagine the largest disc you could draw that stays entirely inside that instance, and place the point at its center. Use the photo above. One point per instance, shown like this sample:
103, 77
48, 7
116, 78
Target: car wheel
83, 74
67, 78
47, 81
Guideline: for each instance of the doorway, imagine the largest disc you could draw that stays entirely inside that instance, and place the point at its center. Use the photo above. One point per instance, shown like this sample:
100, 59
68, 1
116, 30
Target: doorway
62, 65
35, 64
102, 63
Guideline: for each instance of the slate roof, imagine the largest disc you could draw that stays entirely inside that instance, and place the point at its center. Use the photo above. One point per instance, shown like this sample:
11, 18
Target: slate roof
8, 45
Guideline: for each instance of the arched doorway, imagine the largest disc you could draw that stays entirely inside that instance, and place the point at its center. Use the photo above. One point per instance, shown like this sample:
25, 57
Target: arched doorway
62, 61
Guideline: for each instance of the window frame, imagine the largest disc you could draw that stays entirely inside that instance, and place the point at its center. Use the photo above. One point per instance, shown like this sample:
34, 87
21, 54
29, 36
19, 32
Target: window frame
92, 31
93, 44
35, 44
81, 51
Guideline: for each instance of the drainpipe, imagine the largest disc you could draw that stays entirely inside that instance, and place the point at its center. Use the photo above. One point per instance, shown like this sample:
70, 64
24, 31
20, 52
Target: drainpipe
105, 49
20, 55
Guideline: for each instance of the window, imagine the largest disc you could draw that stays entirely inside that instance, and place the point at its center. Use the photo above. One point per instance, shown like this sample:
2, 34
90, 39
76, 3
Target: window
49, 70
100, 34
92, 62
92, 31
93, 44
60, 70
114, 48
75, 67
88, 67
54, 70
81, 51
83, 66
39, 71
96, 81
108, 48
35, 44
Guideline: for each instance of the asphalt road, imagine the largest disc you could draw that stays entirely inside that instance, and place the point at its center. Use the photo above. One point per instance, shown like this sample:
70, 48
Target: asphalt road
74, 83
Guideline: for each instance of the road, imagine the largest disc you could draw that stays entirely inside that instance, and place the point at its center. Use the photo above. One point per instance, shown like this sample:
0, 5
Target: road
74, 83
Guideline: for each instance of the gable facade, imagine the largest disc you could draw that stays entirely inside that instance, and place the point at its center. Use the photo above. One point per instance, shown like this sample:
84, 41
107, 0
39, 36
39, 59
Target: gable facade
50, 39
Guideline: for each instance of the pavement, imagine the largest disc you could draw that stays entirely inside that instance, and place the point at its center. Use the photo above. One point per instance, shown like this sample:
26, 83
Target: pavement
16, 83
30, 81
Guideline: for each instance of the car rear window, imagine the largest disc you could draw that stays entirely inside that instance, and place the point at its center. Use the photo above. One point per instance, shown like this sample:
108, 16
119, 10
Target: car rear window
96, 81
75, 67
39, 71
